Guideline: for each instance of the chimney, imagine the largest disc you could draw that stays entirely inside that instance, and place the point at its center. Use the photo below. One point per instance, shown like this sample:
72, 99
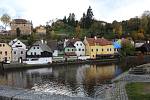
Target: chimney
45, 42
95, 38
42, 41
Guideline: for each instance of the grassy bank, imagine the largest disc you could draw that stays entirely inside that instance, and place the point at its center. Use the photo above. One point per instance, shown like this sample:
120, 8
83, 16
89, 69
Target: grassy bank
138, 91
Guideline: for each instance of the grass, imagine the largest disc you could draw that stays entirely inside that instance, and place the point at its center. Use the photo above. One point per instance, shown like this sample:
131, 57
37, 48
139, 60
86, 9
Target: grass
138, 91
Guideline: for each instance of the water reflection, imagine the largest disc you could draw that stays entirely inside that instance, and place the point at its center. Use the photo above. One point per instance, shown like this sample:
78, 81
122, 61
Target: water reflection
80, 80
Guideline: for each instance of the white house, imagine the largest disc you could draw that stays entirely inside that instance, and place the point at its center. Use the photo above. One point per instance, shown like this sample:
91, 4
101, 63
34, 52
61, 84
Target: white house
79, 45
18, 50
80, 48
39, 53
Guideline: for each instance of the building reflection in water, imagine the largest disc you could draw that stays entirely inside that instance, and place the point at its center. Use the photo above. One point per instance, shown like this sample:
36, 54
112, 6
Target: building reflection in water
81, 80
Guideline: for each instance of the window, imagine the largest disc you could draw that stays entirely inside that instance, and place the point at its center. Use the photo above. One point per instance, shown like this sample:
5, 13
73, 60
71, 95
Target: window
14, 52
96, 49
21, 52
77, 44
18, 43
110, 49
6, 53
37, 47
102, 49
93, 55
72, 49
31, 53
82, 49
81, 44
107, 49
0, 52
34, 53
0, 45
68, 49
79, 49
33, 47
92, 50
3, 45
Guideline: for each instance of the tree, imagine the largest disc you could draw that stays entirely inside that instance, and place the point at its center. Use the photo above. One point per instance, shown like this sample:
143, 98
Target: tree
117, 28
89, 17
5, 19
78, 31
82, 21
127, 48
31, 38
18, 31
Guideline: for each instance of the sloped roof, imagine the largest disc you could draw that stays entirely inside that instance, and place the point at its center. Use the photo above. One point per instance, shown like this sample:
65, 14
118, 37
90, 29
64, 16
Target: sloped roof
72, 41
43, 46
98, 41
20, 21
52, 44
13, 41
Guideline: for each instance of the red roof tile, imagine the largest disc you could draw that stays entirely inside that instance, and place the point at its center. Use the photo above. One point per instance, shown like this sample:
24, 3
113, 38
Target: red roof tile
98, 41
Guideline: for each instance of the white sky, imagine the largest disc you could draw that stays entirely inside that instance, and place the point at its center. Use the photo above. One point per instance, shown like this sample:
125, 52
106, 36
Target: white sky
41, 11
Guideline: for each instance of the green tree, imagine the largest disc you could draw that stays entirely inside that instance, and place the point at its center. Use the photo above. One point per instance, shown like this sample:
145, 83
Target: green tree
5, 19
18, 31
31, 38
127, 48
89, 18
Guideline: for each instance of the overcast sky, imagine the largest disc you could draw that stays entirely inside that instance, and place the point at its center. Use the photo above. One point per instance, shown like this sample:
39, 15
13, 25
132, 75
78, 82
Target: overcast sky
40, 11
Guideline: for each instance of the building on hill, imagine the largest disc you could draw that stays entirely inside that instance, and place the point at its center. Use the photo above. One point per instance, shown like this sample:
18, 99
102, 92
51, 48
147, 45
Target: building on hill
98, 48
23, 25
39, 53
41, 30
5, 52
18, 50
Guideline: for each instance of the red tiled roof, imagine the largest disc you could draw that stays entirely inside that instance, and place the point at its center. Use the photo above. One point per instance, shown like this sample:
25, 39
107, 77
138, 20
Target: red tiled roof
98, 41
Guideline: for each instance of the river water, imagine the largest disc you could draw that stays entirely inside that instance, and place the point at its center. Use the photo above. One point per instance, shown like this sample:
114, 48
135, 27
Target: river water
71, 80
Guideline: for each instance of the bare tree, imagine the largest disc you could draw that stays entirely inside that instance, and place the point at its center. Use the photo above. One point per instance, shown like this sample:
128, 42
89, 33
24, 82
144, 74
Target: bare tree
5, 19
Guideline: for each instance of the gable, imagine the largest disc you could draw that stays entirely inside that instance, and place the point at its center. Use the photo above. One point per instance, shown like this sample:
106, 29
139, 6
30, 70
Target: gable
19, 44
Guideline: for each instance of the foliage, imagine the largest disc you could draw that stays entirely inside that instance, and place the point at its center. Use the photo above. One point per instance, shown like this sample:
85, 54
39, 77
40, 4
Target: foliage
18, 31
31, 38
127, 48
5, 19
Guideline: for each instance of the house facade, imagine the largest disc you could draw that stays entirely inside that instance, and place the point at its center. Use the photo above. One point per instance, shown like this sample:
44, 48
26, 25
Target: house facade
98, 48
5, 52
23, 25
39, 53
80, 48
18, 50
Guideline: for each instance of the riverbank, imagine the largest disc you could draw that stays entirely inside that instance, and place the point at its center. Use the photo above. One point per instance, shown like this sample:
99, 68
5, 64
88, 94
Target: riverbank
9, 93
117, 90
14, 66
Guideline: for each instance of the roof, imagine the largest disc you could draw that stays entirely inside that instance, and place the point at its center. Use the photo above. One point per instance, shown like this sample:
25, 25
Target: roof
13, 41
52, 44
20, 21
70, 45
60, 46
72, 41
43, 46
98, 41
70, 54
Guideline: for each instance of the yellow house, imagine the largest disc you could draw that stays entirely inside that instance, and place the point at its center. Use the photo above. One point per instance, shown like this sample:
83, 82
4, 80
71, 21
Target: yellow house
5, 52
98, 48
